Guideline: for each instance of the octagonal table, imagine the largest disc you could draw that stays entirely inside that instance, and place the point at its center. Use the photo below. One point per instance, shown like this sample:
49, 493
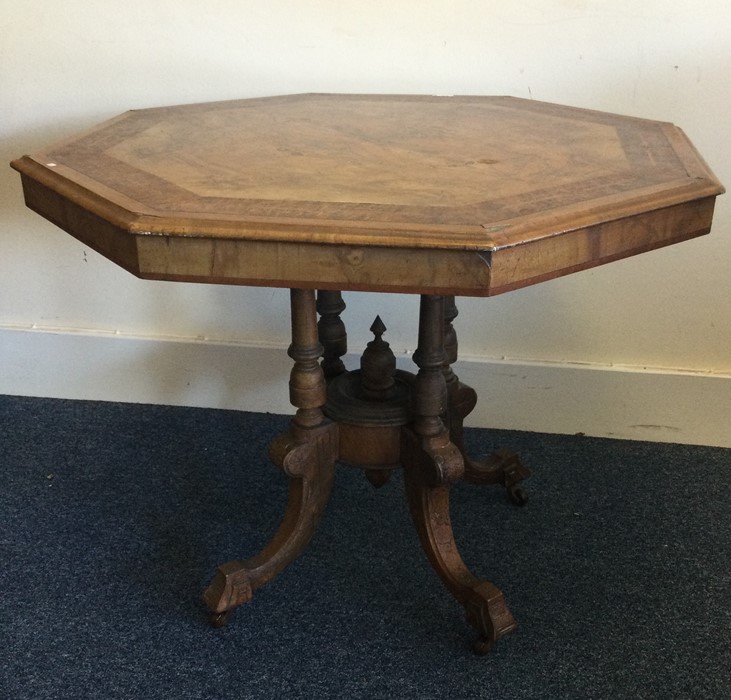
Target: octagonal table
437, 196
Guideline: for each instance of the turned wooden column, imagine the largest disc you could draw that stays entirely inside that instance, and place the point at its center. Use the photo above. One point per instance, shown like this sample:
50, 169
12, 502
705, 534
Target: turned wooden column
461, 398
430, 388
307, 388
331, 331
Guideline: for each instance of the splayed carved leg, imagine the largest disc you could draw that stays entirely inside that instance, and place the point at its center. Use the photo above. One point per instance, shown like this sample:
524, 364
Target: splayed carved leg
307, 454
431, 463
502, 467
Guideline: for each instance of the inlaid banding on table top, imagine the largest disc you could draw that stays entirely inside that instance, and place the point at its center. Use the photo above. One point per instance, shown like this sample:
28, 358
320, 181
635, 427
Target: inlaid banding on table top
473, 162
476, 174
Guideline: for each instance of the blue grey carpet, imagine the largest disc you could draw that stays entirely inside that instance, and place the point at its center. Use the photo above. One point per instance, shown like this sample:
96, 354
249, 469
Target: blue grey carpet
113, 518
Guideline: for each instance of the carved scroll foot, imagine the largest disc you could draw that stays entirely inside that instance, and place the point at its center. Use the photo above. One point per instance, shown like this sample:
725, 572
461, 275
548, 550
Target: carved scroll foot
231, 587
489, 615
502, 467
308, 457
428, 471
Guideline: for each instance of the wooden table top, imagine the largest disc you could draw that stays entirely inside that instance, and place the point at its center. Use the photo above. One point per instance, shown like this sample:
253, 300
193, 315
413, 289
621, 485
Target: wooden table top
443, 195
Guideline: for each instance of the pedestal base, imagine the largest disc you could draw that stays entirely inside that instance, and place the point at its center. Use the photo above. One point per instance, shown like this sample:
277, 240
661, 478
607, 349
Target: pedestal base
370, 429
379, 419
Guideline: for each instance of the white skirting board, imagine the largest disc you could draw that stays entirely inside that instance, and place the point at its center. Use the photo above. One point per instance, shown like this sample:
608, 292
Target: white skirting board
620, 402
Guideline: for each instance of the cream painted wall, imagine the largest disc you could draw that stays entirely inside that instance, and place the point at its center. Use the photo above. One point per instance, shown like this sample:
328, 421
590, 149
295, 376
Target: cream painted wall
65, 66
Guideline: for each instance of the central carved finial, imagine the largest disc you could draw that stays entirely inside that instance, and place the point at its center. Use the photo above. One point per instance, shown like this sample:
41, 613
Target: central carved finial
378, 328
378, 366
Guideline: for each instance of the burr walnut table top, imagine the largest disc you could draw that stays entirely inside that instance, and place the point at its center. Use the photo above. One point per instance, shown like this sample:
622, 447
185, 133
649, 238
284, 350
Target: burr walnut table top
442, 195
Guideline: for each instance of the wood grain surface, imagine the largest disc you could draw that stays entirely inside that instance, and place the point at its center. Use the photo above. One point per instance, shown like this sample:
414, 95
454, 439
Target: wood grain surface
465, 195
